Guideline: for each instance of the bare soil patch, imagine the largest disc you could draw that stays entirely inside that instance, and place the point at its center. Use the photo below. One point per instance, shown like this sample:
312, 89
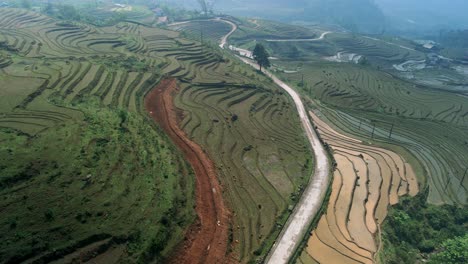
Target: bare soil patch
207, 240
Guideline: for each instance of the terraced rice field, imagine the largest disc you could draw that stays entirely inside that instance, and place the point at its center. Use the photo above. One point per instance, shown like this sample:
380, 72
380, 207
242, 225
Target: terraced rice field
264, 29
442, 155
367, 179
375, 49
374, 91
212, 30
381, 54
246, 124
363, 98
73, 185
252, 135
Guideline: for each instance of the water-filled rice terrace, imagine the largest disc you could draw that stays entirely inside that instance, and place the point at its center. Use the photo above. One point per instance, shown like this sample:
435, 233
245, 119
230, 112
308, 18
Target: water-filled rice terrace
367, 179
245, 123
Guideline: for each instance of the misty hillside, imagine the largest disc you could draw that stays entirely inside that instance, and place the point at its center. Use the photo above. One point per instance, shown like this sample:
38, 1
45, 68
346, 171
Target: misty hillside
409, 17
356, 15
422, 15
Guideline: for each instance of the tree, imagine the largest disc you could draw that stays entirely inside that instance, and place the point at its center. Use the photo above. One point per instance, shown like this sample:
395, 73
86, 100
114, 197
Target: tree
207, 6
26, 4
260, 55
69, 12
204, 6
453, 251
48, 9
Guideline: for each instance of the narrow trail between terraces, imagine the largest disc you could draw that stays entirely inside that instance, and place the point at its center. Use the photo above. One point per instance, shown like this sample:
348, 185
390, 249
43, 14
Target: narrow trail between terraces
207, 239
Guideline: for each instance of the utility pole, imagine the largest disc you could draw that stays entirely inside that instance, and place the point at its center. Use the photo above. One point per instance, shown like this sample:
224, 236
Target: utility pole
446, 186
391, 130
201, 39
463, 179
373, 130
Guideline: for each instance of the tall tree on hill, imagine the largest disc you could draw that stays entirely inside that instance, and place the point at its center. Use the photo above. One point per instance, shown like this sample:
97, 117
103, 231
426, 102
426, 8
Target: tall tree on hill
207, 6
204, 6
26, 4
260, 55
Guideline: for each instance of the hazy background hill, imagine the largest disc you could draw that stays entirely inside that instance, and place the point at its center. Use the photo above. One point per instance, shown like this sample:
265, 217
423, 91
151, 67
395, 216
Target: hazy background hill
409, 17
356, 15
424, 16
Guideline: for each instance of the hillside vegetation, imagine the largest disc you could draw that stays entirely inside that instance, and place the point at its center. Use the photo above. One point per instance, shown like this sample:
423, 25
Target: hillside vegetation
417, 231
92, 184
83, 172
54, 69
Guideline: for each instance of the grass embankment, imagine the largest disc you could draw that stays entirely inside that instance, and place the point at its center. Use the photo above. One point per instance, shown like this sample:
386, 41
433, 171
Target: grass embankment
108, 182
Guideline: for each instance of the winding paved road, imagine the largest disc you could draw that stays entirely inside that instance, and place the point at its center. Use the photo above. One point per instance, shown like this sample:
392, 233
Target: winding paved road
300, 40
223, 39
312, 198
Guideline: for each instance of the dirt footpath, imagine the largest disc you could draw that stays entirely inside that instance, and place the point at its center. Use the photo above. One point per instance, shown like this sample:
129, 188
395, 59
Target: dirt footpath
207, 240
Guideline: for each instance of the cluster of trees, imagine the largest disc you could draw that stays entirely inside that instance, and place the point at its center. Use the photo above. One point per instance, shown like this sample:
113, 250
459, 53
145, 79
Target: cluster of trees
67, 12
415, 230
70, 12
454, 38
129, 63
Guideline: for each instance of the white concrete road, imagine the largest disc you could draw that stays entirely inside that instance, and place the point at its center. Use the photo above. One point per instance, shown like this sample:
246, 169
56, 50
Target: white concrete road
223, 39
312, 198
322, 36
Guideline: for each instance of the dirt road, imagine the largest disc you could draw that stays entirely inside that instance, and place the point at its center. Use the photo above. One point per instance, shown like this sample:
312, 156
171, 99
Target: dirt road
207, 240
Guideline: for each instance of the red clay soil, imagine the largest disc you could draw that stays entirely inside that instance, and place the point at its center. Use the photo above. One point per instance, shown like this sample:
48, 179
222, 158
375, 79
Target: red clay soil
207, 240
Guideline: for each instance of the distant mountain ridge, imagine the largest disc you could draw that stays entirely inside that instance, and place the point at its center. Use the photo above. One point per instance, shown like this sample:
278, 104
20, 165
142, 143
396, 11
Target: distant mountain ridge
411, 17
356, 15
